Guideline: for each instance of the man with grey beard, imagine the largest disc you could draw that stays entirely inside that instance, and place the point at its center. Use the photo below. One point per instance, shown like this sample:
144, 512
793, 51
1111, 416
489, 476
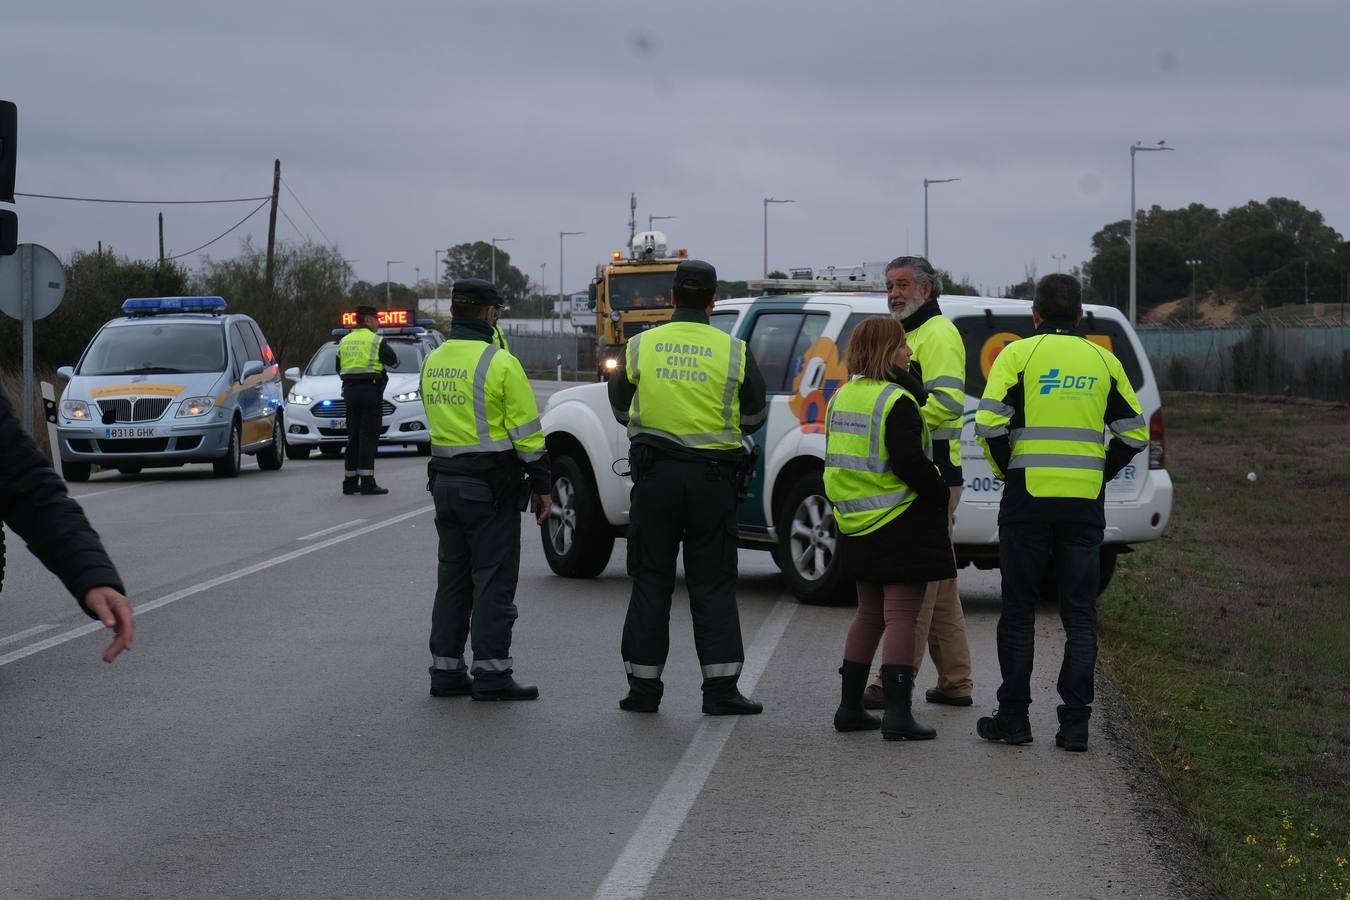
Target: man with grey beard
912, 289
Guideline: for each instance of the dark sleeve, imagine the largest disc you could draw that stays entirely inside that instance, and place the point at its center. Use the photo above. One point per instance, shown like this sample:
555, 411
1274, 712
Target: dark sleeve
36, 507
753, 397
621, 392
904, 441
541, 478
1000, 448
388, 355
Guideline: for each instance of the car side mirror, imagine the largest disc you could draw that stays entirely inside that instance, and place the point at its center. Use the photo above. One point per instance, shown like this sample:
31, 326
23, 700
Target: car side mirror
65, 373
293, 373
251, 368
590, 296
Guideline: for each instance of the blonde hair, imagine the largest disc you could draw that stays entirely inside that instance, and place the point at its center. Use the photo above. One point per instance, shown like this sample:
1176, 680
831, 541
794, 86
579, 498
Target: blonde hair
872, 347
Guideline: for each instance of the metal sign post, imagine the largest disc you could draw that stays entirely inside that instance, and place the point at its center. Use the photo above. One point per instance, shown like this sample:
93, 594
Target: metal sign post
32, 284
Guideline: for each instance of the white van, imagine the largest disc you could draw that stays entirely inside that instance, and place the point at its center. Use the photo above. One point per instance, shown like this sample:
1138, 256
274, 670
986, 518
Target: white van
798, 342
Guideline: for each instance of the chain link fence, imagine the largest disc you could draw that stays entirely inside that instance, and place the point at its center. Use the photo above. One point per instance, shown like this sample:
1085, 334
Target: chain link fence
1311, 362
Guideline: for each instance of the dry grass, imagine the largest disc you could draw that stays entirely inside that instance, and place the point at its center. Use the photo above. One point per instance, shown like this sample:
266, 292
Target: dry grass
1231, 639
12, 384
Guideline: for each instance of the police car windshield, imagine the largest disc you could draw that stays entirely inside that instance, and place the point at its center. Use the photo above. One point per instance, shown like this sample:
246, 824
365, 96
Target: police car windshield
641, 290
149, 347
325, 361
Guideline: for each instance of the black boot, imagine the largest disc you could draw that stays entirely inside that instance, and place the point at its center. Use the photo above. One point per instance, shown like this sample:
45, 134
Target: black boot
850, 716
368, 486
503, 689
351, 485
897, 683
1007, 726
721, 697
644, 695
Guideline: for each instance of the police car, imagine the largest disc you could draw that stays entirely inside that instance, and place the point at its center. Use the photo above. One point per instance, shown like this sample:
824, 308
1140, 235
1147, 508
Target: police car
176, 380
798, 341
317, 416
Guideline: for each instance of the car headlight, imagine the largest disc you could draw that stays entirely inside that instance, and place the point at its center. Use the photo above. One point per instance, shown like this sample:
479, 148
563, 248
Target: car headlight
75, 409
195, 406
299, 399
408, 396
611, 364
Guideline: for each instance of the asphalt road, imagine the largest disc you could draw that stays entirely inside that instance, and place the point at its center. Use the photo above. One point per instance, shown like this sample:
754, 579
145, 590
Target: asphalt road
270, 735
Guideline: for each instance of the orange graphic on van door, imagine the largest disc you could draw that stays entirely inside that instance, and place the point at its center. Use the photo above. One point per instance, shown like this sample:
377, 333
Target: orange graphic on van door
993, 347
819, 374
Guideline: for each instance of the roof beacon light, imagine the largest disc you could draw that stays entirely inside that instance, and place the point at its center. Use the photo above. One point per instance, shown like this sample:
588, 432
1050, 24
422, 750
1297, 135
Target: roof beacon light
151, 306
618, 255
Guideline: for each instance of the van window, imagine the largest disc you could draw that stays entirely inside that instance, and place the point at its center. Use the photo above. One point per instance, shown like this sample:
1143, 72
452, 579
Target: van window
239, 347
724, 321
986, 336
778, 341
250, 341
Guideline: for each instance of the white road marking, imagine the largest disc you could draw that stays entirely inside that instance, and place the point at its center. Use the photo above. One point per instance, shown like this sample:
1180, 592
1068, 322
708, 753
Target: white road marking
125, 487
27, 632
317, 534
198, 588
632, 873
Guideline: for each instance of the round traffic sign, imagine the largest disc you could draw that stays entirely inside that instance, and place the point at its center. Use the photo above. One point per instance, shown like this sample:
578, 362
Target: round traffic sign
44, 273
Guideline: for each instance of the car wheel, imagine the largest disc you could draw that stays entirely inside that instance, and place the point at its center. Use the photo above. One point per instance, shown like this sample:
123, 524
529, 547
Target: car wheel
272, 458
809, 548
76, 471
298, 451
577, 540
228, 466
332, 451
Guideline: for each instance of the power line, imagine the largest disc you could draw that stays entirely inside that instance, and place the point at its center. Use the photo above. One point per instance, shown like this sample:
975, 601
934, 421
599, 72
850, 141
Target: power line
307, 238
306, 212
265, 201
146, 202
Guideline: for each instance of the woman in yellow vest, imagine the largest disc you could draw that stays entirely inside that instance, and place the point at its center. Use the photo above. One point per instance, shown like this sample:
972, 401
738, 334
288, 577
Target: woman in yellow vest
890, 506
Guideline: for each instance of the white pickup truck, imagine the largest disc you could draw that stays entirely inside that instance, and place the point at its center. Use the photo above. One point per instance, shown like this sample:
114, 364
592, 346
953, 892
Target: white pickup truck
798, 343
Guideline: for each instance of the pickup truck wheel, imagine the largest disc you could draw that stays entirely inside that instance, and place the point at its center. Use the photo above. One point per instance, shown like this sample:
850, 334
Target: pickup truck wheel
332, 451
809, 546
76, 471
298, 451
577, 540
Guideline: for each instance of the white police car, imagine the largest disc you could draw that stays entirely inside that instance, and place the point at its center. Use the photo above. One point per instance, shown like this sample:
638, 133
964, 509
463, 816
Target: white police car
176, 380
798, 341
317, 416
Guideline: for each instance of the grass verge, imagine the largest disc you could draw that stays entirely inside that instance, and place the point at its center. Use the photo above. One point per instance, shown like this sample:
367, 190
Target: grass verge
1230, 639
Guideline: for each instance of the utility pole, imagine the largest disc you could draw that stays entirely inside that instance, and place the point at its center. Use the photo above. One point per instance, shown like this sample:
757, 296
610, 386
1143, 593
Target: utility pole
272, 224
161, 238
632, 218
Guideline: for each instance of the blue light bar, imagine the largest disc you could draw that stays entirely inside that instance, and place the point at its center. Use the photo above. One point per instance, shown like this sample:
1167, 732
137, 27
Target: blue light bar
149, 306
340, 332
427, 323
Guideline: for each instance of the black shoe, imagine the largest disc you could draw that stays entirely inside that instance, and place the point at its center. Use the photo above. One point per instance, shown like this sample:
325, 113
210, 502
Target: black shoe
873, 697
733, 704
851, 716
638, 701
933, 695
1010, 728
1072, 736
459, 687
368, 486
898, 723
350, 486
504, 690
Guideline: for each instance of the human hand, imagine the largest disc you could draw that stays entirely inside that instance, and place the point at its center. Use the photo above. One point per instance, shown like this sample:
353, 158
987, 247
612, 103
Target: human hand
540, 504
114, 611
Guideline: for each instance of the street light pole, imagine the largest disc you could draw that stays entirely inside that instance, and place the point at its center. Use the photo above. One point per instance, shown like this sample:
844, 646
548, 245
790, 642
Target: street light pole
1195, 304
1059, 260
767, 201
651, 219
387, 263
495, 241
436, 280
1136, 147
1305, 281
562, 296
926, 183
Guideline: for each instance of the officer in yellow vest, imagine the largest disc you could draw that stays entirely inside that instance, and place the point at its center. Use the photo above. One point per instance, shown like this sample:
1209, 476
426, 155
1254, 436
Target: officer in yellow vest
488, 464
362, 356
1048, 400
912, 289
688, 393
495, 314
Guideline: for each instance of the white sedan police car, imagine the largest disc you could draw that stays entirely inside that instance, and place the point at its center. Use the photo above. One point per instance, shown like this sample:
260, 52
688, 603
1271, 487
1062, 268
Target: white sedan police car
316, 415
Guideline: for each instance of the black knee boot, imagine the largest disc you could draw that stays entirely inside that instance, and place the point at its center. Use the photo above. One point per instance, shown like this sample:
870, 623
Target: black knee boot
850, 716
897, 682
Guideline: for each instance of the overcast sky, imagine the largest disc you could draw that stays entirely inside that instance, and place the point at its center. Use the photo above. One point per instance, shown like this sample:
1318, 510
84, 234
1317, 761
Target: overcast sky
407, 126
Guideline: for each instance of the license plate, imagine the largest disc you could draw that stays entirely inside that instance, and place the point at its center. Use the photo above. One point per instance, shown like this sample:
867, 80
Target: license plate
129, 431
338, 423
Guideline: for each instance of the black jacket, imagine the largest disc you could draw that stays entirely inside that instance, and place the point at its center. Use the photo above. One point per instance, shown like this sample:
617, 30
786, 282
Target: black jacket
912, 547
36, 507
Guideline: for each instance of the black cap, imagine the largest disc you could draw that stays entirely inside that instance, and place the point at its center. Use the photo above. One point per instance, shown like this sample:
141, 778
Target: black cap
475, 291
695, 276
363, 311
